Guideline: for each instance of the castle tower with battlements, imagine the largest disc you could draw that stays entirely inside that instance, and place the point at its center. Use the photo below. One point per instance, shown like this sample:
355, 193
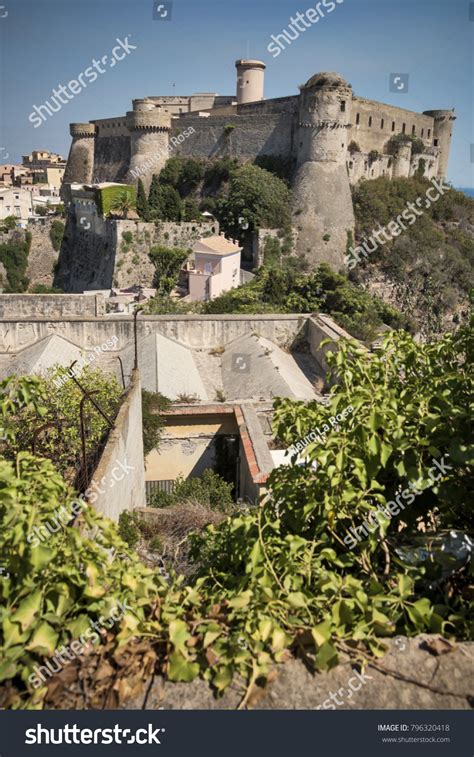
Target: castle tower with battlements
332, 138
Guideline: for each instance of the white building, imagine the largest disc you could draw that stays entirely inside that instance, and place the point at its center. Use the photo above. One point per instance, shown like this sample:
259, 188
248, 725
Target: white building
215, 267
16, 202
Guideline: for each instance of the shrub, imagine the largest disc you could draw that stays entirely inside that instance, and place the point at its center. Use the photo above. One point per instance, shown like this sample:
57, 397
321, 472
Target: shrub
14, 256
127, 237
417, 145
209, 490
43, 289
56, 234
57, 406
128, 529
153, 404
9, 223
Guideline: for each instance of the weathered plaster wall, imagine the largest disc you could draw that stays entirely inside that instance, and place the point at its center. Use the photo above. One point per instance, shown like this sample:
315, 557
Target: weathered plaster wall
123, 458
21, 306
319, 328
194, 331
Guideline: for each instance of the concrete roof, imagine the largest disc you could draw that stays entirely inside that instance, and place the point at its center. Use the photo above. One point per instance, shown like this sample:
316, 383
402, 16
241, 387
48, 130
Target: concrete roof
166, 367
39, 357
254, 368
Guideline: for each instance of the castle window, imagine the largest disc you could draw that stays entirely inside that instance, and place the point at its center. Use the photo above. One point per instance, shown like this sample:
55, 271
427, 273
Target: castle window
393, 125
343, 106
413, 129
429, 133
370, 120
422, 132
435, 142
381, 123
404, 128
358, 119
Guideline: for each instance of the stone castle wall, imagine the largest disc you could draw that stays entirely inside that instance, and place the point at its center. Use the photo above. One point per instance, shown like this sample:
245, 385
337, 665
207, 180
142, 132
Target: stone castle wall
111, 158
100, 258
379, 122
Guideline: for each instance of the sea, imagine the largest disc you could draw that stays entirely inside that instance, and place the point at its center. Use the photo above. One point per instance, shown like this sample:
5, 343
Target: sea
469, 191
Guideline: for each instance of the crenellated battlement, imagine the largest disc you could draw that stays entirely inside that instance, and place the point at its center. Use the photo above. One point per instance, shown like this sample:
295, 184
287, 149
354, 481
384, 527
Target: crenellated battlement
334, 137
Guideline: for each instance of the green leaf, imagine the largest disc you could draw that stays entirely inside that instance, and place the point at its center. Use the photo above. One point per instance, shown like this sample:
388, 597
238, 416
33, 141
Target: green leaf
296, 599
322, 632
179, 634
326, 657
44, 640
241, 600
181, 669
28, 609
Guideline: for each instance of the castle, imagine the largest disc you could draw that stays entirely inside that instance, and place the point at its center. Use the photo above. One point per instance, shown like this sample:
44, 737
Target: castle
333, 138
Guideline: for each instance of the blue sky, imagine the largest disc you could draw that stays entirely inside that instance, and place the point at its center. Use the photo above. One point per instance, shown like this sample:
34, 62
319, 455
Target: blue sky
45, 43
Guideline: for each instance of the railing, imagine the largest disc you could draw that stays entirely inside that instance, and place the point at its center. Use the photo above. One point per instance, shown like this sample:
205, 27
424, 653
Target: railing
158, 486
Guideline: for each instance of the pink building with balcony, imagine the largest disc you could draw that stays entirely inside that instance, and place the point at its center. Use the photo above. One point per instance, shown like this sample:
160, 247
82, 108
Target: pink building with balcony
215, 268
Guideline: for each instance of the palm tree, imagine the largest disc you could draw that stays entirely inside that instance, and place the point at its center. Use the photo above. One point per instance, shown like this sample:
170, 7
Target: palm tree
123, 204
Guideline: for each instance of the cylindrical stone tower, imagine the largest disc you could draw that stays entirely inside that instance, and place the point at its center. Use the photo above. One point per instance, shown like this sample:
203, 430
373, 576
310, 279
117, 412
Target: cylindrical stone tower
442, 133
322, 202
402, 160
250, 80
80, 163
149, 128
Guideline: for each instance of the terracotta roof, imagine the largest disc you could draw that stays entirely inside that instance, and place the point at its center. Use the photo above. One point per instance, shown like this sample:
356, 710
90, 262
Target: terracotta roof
217, 245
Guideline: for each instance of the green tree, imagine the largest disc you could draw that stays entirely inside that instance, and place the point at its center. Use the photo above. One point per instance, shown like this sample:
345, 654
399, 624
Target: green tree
258, 197
168, 262
122, 204
191, 210
154, 199
142, 202
56, 234
171, 204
